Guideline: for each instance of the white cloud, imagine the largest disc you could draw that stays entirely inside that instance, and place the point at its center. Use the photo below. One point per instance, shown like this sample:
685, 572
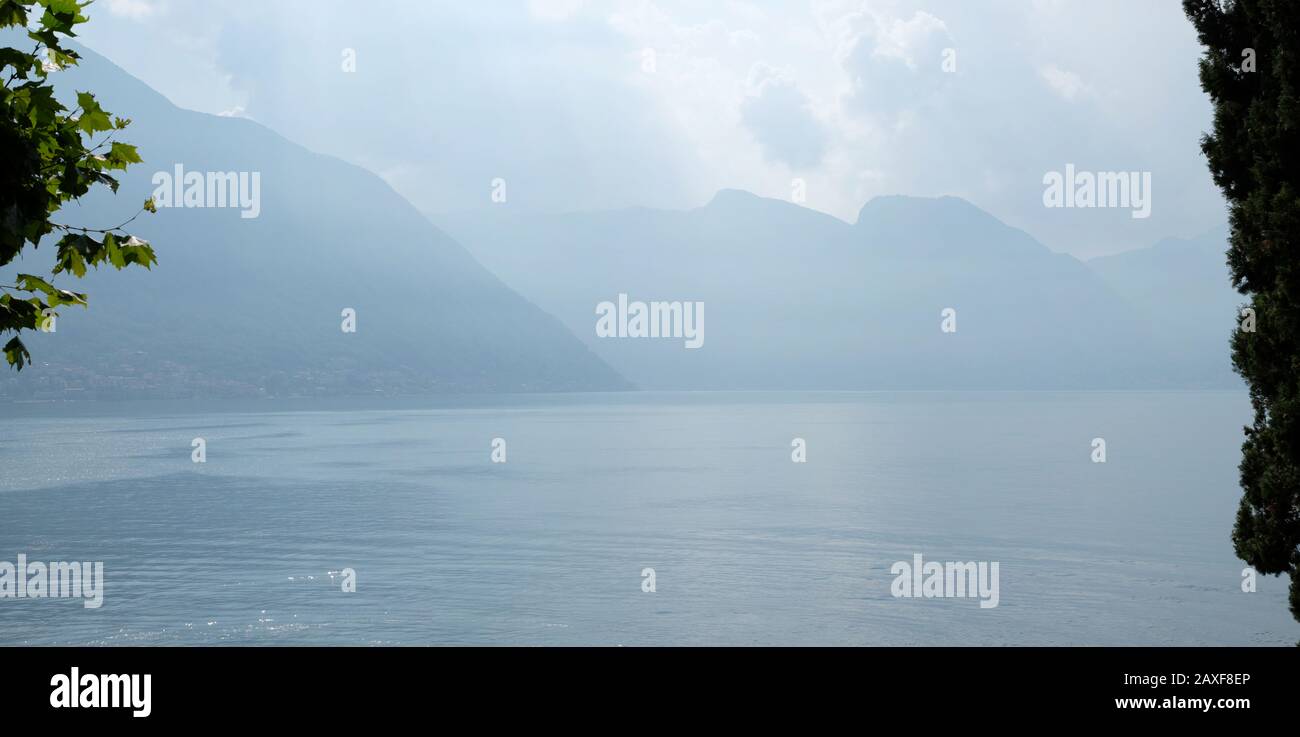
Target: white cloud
915, 41
552, 95
1066, 84
780, 117
555, 10
892, 63
135, 9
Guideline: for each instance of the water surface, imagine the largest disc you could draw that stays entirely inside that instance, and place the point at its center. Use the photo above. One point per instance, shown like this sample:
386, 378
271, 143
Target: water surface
548, 548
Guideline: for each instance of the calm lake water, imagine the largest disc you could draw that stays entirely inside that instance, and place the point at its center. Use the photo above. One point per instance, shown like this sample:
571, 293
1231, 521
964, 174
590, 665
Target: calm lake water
549, 547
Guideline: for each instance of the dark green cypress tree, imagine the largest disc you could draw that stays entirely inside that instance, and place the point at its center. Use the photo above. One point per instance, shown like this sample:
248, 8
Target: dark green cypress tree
1251, 71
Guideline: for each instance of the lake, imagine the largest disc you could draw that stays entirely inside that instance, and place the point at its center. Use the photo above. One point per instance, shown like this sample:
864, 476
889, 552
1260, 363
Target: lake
747, 547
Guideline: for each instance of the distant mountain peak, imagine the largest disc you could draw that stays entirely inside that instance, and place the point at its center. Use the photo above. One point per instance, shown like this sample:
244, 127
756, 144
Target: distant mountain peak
728, 195
739, 200
941, 226
898, 205
454, 328
739, 208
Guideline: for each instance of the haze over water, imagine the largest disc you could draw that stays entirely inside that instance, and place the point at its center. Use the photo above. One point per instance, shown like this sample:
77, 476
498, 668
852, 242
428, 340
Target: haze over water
548, 548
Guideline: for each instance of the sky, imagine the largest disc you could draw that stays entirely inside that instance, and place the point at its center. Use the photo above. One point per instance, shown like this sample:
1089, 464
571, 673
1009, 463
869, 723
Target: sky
586, 105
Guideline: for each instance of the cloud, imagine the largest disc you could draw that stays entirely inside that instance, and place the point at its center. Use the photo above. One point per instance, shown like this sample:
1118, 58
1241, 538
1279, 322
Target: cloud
892, 63
1066, 84
553, 96
135, 9
779, 116
554, 10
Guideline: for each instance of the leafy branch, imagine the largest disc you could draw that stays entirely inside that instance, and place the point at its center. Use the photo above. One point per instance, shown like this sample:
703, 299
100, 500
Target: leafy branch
55, 160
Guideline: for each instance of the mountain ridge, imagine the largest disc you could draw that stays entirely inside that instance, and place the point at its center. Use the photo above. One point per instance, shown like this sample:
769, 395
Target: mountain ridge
1044, 319
254, 306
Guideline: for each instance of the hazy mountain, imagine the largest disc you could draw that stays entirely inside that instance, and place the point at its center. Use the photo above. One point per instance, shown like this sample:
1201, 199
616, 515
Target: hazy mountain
797, 299
1182, 288
793, 299
249, 306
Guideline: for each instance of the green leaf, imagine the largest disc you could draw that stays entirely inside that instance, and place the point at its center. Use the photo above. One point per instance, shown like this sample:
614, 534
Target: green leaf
45, 37
122, 154
114, 253
136, 251
16, 354
75, 250
12, 14
62, 6
56, 296
30, 283
22, 62
93, 118
47, 162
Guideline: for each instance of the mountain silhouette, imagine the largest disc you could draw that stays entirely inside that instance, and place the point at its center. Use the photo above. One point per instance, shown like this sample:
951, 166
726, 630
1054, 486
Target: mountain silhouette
793, 298
243, 306
1182, 288
796, 299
